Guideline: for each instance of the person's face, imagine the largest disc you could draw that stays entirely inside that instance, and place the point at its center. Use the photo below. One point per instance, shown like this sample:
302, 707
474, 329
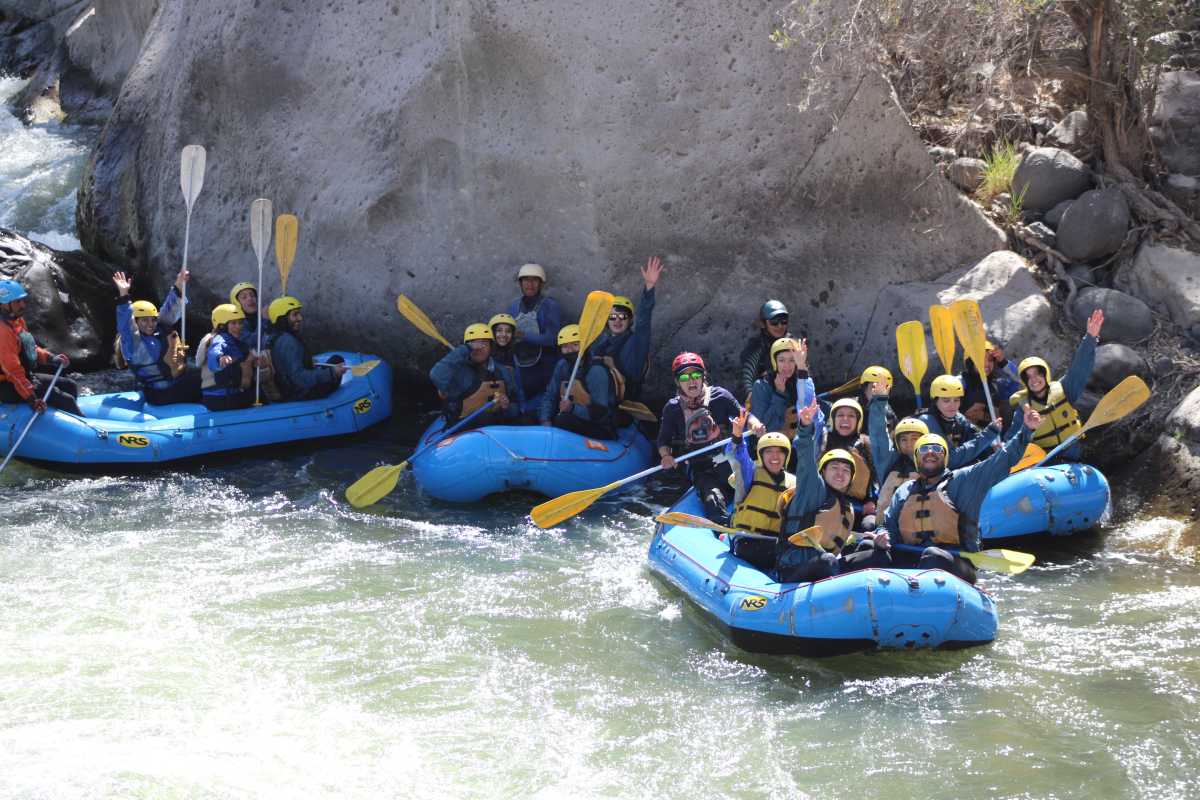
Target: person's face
905, 443
931, 459
948, 406
691, 383
248, 300
570, 348
777, 326
146, 325
773, 458
837, 475
503, 333
845, 421
295, 319
14, 309
1035, 379
531, 286
481, 350
618, 321
234, 326
786, 363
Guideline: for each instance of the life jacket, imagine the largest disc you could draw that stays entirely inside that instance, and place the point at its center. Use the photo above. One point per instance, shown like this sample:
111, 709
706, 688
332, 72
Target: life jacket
902, 471
836, 519
954, 430
223, 382
171, 362
929, 516
579, 392
759, 511
1060, 420
526, 355
490, 386
28, 351
860, 484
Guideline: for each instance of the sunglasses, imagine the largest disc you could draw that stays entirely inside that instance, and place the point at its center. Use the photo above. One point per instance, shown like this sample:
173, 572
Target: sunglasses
689, 376
931, 448
777, 321
478, 344
617, 316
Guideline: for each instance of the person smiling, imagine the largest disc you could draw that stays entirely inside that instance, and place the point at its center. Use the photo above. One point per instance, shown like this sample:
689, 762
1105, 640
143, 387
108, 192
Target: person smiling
625, 343
756, 355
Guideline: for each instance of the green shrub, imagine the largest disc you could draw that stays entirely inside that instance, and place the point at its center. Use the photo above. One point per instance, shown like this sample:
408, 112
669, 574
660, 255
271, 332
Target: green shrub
1000, 166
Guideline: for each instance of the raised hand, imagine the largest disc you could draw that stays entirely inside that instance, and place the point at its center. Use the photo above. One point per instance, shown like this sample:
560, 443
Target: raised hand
1095, 322
123, 283
808, 412
739, 423
802, 354
1032, 418
876, 389
182, 278
652, 271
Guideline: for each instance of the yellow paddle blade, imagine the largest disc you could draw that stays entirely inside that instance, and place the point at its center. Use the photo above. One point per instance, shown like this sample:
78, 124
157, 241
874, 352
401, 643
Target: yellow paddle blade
287, 231
809, 537
552, 512
358, 370
692, 521
417, 317
375, 485
914, 356
1033, 455
1120, 400
845, 387
594, 318
638, 411
968, 324
1008, 562
941, 324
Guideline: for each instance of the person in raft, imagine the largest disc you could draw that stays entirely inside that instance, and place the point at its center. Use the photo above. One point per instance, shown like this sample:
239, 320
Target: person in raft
538, 319
870, 375
820, 499
20, 358
774, 396
846, 434
772, 325
244, 295
504, 330
1002, 384
967, 443
227, 371
291, 364
590, 407
1055, 399
941, 506
468, 377
148, 346
698, 415
626, 339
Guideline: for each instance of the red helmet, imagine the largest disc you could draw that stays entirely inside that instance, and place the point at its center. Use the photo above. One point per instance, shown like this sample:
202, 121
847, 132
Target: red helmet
686, 361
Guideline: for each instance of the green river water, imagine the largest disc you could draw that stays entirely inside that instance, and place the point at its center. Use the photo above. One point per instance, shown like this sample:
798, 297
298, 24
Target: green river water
238, 630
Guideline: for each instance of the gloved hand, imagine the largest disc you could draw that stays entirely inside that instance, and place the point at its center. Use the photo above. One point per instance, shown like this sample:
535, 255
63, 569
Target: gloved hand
37, 404
62, 359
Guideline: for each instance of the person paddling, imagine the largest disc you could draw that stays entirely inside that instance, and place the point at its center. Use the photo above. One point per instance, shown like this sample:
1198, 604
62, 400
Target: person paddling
625, 342
20, 358
590, 407
468, 377
149, 347
296, 377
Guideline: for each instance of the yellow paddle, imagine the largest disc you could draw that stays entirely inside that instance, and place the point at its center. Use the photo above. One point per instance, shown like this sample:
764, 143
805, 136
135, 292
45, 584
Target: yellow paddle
358, 370
1007, 562
638, 411
1033, 455
379, 482
941, 325
287, 230
591, 324
968, 324
1120, 400
845, 387
809, 537
563, 507
417, 317
914, 357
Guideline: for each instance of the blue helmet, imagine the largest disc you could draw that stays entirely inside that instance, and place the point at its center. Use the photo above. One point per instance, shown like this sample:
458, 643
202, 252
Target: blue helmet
11, 290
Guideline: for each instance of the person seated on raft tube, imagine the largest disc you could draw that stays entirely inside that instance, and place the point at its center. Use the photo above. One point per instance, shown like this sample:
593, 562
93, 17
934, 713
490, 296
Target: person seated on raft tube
820, 499
941, 506
845, 433
758, 486
1055, 399
772, 325
591, 406
538, 319
870, 375
1002, 384
504, 329
774, 396
468, 377
149, 347
244, 295
698, 415
626, 346
967, 443
227, 371
291, 365
20, 358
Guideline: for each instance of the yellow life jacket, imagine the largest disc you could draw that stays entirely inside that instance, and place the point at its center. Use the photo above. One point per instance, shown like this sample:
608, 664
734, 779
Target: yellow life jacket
1060, 420
928, 516
900, 474
760, 510
579, 393
489, 389
836, 520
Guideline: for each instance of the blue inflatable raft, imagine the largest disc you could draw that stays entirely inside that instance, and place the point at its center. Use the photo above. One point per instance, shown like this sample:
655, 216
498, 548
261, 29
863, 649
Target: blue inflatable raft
473, 464
1059, 500
894, 609
122, 429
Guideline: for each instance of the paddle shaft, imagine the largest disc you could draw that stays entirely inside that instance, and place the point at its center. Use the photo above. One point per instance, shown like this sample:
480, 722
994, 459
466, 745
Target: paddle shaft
453, 430
187, 235
258, 320
679, 460
33, 418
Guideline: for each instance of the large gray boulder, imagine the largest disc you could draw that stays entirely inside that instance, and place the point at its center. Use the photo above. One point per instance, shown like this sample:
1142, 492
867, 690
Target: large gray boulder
1175, 126
1114, 363
1126, 319
1071, 133
432, 149
1170, 469
1094, 225
1167, 278
1048, 176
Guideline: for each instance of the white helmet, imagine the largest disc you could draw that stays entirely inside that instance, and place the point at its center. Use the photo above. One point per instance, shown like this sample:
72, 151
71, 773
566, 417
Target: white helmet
532, 271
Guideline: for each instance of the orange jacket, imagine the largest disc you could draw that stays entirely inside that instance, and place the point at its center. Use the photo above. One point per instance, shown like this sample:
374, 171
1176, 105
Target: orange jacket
11, 368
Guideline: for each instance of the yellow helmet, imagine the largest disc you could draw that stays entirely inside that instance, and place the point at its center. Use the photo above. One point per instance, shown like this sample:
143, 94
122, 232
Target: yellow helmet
876, 373
910, 425
933, 438
282, 306
568, 334
502, 319
778, 346
226, 313
1032, 361
946, 386
621, 301
143, 308
237, 289
774, 439
836, 454
476, 331
532, 271
847, 402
